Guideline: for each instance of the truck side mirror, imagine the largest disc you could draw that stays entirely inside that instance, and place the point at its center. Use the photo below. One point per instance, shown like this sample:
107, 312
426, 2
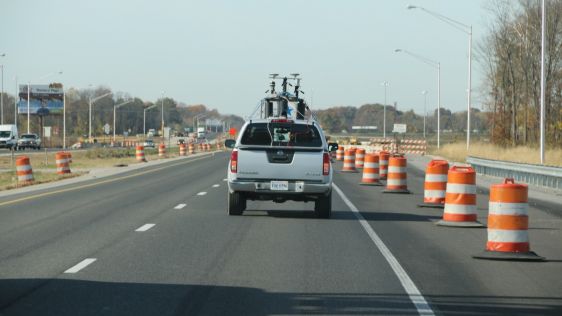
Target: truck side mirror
13, 137
333, 146
229, 143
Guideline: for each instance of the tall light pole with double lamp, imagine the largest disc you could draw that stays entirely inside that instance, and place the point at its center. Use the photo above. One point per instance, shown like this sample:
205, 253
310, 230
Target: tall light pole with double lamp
115, 107
144, 118
436, 65
467, 29
2, 93
162, 113
385, 84
543, 83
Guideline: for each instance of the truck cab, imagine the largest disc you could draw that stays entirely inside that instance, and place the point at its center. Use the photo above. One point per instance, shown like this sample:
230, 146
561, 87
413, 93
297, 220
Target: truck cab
8, 136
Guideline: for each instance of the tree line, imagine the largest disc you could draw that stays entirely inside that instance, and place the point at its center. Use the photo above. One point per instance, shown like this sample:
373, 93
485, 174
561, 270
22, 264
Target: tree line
511, 57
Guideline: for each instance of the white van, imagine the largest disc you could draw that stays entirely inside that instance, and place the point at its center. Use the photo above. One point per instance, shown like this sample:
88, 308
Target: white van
8, 136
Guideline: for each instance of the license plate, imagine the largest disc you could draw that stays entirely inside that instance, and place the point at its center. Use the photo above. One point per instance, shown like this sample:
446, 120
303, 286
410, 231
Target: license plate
279, 185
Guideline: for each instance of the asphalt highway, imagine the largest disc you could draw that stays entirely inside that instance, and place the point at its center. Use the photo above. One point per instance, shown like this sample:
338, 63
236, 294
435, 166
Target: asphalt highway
158, 241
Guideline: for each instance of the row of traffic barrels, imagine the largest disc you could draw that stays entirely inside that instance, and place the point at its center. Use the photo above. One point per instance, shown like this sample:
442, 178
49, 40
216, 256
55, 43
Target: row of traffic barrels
184, 149
454, 190
24, 171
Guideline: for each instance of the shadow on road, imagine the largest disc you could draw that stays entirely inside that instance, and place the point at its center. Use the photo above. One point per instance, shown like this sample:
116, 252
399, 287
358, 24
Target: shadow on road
79, 297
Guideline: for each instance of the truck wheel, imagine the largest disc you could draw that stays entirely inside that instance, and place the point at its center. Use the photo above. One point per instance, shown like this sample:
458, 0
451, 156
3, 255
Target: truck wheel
236, 203
323, 206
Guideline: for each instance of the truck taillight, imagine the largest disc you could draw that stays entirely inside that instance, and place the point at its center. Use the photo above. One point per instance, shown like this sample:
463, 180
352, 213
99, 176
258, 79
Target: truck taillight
234, 161
326, 164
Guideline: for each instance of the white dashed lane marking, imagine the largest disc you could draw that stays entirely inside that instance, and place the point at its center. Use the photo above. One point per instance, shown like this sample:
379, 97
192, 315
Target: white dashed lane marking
201, 193
216, 185
81, 265
144, 227
179, 206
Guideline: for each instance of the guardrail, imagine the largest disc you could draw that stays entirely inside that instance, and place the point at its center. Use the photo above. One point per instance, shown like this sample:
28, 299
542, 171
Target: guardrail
544, 176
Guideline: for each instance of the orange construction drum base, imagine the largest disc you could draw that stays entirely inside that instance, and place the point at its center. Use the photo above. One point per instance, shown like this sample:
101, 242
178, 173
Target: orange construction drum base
399, 191
514, 256
474, 224
433, 205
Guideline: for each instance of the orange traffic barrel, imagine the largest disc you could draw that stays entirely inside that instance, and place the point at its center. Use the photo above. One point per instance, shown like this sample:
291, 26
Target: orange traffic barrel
23, 170
383, 164
218, 145
371, 170
62, 162
508, 223
349, 161
200, 146
435, 184
340, 153
69, 156
359, 158
191, 148
183, 150
460, 198
139, 153
397, 179
208, 146
161, 150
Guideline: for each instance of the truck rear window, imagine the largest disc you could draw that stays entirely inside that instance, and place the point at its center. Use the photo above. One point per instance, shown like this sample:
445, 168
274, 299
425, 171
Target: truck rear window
281, 134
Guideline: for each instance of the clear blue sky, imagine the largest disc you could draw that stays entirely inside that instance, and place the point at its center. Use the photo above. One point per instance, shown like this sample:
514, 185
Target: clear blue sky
219, 53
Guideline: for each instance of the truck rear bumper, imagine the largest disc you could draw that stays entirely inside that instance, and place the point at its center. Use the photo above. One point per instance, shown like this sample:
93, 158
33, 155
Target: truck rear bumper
295, 187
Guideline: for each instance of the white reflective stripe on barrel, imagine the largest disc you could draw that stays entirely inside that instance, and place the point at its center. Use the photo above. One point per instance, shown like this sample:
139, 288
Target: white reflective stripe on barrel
23, 168
393, 169
434, 193
501, 235
501, 208
25, 177
396, 182
459, 208
372, 165
370, 176
429, 177
461, 188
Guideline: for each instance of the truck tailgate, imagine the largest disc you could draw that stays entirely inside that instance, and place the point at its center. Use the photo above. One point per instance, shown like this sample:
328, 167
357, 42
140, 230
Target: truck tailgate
280, 164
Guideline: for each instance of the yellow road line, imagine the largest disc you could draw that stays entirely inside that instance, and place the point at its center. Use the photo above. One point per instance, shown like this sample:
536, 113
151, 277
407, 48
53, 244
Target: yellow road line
97, 183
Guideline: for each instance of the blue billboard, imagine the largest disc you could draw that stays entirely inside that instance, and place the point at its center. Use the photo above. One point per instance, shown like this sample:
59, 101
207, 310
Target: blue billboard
43, 99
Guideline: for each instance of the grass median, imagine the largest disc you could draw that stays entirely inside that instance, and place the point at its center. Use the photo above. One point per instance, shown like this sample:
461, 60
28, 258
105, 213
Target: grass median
521, 154
44, 166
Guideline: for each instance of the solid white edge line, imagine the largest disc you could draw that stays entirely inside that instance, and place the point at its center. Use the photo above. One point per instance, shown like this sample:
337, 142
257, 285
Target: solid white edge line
179, 206
414, 293
201, 193
144, 227
81, 265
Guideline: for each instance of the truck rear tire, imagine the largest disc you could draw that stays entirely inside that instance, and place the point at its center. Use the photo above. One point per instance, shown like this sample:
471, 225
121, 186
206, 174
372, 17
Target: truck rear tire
236, 203
323, 206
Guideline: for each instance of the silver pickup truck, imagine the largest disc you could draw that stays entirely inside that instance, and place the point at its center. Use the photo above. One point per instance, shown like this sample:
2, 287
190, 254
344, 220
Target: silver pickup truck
280, 160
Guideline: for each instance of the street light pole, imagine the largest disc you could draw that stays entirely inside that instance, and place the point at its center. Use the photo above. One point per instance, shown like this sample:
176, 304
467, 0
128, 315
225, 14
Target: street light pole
92, 101
424, 92
543, 26
467, 29
385, 84
63, 120
437, 65
144, 118
114, 112
2, 94
162, 113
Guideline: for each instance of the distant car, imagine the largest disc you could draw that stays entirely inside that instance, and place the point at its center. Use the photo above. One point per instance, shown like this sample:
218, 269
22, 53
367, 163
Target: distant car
181, 141
29, 141
149, 143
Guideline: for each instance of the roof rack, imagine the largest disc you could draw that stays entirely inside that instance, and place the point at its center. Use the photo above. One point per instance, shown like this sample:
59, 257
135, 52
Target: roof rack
283, 104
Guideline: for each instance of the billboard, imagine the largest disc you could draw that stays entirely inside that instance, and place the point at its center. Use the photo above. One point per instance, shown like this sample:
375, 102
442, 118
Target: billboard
44, 99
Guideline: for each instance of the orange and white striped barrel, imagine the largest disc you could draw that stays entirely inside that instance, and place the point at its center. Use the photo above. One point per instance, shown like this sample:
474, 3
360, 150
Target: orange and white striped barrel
219, 147
62, 162
161, 150
208, 147
508, 223
359, 158
139, 153
339, 153
371, 170
69, 156
435, 183
383, 164
23, 170
191, 148
349, 161
200, 146
183, 150
397, 179
460, 198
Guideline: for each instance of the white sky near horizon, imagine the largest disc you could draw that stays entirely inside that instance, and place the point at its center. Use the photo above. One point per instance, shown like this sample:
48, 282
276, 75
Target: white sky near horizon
219, 52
